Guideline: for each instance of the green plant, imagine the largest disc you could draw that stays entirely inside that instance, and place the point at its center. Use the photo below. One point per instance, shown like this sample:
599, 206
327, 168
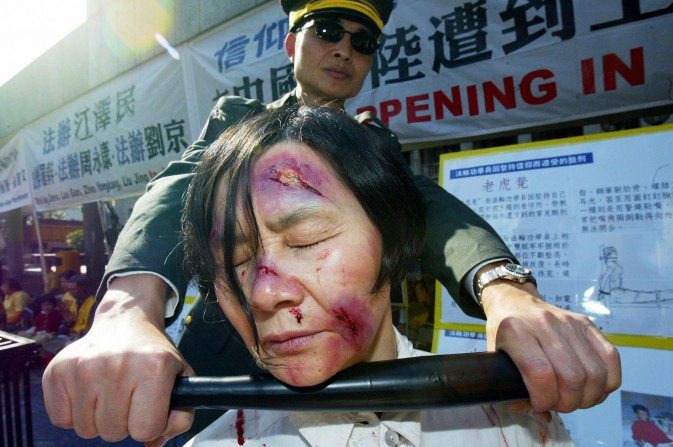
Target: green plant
56, 214
75, 239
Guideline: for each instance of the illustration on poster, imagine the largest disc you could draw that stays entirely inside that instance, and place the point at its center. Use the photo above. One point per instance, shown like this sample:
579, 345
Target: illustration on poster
647, 420
612, 291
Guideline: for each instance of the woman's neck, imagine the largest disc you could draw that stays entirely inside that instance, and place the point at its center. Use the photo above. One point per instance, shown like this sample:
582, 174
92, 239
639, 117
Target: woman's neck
384, 344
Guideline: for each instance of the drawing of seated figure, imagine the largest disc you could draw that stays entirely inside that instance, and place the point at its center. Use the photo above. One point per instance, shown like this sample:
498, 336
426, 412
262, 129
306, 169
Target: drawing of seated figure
612, 290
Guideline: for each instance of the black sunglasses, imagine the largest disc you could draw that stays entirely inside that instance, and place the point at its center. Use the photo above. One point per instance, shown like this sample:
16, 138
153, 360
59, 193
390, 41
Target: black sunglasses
362, 41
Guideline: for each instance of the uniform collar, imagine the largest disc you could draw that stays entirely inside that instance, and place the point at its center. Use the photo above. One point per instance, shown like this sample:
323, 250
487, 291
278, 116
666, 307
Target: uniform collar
337, 427
287, 99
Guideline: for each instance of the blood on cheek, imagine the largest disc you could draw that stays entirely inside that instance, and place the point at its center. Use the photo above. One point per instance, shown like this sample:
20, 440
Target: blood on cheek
354, 321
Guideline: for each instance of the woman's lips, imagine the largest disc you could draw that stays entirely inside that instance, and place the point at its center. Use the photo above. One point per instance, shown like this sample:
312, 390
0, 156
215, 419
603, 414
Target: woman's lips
288, 342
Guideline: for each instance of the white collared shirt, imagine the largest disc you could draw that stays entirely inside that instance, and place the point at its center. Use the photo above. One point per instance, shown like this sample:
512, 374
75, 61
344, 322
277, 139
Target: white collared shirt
484, 425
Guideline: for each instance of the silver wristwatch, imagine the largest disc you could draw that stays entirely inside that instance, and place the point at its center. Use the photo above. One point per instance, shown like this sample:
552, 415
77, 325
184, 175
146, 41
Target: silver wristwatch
509, 272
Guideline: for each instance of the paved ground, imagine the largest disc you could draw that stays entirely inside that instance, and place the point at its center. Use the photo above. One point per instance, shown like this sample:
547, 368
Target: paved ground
46, 435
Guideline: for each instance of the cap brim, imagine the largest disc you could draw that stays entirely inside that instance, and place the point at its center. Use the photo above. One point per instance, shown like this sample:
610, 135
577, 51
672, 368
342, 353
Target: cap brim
345, 13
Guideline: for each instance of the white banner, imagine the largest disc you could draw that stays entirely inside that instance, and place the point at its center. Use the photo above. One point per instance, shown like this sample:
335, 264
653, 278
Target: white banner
14, 187
244, 57
451, 70
110, 142
591, 216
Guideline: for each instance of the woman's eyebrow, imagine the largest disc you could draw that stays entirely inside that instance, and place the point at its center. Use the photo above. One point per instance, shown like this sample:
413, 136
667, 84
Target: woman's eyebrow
302, 214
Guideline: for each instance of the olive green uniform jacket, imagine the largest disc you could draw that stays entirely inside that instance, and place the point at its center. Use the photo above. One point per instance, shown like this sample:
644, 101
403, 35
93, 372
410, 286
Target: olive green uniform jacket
456, 240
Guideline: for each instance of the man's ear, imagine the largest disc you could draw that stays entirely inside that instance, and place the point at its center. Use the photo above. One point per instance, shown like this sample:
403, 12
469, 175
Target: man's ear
290, 41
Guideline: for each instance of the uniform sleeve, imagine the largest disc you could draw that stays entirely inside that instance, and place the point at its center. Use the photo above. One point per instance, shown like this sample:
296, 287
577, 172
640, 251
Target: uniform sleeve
150, 239
456, 238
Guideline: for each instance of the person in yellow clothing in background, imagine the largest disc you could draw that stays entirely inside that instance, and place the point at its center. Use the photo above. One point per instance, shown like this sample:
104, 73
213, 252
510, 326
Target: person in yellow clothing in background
15, 304
67, 303
75, 323
79, 288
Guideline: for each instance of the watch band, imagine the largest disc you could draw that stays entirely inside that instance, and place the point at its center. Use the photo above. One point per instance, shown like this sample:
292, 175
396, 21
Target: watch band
509, 272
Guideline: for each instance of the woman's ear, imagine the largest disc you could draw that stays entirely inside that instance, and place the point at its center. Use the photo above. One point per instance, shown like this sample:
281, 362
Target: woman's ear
290, 41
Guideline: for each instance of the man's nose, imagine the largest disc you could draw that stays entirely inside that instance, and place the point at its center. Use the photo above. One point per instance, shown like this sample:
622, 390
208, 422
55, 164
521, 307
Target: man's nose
274, 286
342, 49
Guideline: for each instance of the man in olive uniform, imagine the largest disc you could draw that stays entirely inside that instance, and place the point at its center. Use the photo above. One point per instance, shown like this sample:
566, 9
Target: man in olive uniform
124, 376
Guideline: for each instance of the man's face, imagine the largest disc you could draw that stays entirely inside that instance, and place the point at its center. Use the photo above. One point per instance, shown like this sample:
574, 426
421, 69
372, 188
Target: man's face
327, 72
309, 285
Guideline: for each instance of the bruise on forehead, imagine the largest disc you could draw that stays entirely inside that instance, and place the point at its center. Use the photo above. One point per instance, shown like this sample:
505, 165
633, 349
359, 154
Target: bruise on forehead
288, 177
291, 170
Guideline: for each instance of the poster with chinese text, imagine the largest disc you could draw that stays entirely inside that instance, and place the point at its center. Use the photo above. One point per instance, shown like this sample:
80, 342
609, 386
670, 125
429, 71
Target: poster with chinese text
591, 216
110, 142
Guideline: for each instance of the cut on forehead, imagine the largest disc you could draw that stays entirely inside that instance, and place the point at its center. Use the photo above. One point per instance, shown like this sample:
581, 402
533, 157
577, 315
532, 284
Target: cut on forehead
291, 165
289, 182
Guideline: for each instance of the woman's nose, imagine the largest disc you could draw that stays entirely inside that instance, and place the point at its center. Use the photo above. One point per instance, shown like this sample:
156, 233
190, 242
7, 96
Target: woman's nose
273, 286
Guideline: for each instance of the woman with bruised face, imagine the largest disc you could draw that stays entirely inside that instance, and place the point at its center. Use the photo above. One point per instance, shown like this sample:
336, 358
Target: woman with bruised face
298, 221
302, 263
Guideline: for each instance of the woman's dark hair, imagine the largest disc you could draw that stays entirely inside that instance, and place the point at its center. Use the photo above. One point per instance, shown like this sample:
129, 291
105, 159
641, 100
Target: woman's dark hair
13, 284
67, 274
638, 407
48, 298
372, 172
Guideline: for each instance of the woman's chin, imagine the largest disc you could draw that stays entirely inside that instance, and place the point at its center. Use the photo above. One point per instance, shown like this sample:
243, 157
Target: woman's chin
303, 377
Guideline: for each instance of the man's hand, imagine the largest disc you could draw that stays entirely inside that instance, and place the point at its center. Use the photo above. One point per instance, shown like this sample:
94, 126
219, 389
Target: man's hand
117, 379
565, 361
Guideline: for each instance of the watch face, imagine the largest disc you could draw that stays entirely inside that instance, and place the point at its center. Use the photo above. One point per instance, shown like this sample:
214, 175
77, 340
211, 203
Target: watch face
517, 269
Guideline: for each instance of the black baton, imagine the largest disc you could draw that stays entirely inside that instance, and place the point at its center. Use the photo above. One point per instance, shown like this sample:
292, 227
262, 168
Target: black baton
393, 385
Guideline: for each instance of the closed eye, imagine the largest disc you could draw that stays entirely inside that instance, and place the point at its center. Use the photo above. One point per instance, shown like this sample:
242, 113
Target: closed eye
238, 263
308, 242
303, 246
242, 255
